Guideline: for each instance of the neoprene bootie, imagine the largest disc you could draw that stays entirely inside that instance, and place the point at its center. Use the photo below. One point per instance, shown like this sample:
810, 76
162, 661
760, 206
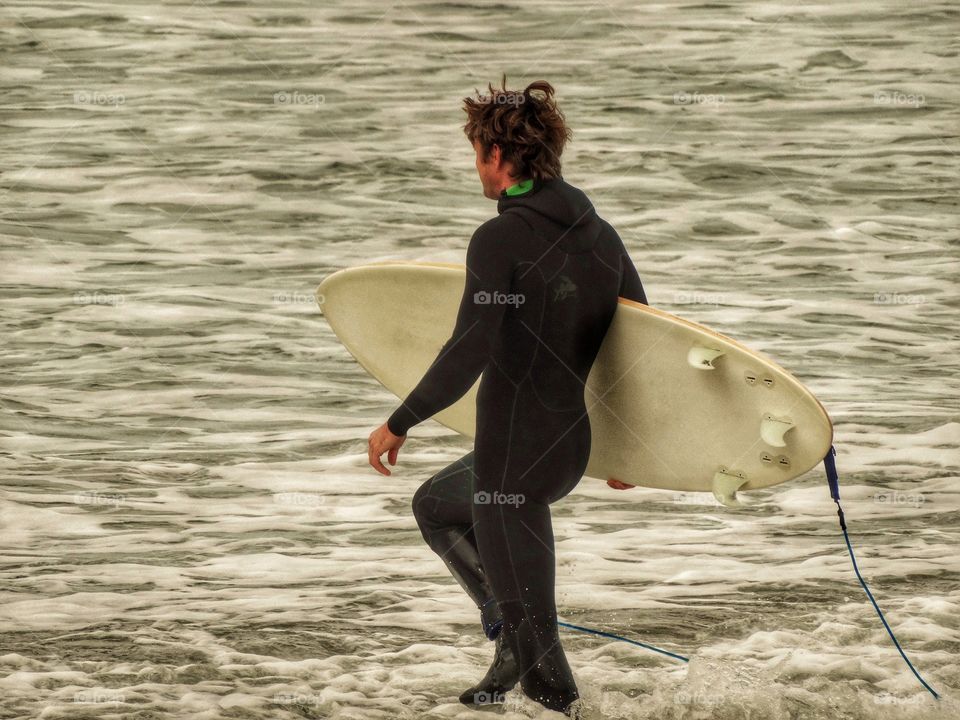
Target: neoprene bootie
501, 677
463, 561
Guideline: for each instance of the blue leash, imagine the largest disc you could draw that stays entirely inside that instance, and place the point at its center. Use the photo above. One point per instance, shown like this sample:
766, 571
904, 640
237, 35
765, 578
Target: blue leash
832, 479
623, 639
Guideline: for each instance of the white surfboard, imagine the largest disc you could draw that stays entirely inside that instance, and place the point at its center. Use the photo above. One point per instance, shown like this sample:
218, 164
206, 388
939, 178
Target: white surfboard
672, 404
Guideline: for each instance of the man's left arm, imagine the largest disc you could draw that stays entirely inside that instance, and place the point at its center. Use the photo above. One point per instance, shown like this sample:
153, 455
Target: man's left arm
467, 352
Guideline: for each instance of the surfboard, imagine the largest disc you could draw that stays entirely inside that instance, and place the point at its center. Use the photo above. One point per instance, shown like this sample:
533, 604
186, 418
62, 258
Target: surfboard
672, 404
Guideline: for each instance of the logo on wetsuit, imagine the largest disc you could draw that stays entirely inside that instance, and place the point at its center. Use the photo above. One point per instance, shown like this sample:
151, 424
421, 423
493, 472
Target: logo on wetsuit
482, 297
565, 288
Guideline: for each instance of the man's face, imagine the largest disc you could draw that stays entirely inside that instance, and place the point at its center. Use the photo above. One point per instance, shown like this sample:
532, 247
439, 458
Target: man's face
489, 171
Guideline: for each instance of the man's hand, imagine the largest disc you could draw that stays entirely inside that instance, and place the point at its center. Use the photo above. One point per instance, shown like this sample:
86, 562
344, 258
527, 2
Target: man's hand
618, 485
382, 440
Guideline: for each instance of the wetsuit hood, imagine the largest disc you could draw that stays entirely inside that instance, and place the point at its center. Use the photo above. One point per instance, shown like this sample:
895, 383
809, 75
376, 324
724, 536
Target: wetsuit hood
562, 206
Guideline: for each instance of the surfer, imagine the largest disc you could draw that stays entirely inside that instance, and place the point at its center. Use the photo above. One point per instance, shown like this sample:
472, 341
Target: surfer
542, 282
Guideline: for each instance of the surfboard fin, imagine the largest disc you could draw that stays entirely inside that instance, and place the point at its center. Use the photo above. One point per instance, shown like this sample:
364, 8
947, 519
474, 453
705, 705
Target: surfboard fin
725, 486
773, 429
702, 357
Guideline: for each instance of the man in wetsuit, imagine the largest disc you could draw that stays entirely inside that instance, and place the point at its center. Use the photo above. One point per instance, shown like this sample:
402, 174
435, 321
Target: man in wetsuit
541, 289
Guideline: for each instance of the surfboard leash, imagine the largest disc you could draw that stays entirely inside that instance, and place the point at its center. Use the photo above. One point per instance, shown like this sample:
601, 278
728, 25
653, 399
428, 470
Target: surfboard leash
622, 639
833, 481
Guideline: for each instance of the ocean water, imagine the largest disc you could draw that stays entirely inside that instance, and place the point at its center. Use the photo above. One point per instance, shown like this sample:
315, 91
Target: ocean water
189, 525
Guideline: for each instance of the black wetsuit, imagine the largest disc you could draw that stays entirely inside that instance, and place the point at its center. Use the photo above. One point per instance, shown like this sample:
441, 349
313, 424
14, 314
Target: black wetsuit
542, 283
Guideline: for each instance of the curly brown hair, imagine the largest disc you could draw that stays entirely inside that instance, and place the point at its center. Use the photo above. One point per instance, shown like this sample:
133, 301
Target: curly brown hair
529, 129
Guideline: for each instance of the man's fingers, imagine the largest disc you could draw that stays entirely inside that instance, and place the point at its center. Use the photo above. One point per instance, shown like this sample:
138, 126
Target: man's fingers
378, 466
383, 441
374, 457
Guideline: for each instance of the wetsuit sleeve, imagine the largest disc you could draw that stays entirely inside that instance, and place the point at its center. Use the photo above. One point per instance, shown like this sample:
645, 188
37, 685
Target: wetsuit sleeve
464, 356
630, 286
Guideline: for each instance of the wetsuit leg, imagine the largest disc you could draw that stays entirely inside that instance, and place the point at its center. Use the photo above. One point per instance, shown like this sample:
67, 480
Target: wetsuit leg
515, 534
526, 578
443, 508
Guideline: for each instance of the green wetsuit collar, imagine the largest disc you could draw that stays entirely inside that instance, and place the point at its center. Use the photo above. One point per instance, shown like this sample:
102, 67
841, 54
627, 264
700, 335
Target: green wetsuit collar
520, 188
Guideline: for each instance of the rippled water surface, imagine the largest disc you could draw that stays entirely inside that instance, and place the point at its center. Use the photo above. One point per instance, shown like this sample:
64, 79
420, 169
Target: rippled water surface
189, 525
